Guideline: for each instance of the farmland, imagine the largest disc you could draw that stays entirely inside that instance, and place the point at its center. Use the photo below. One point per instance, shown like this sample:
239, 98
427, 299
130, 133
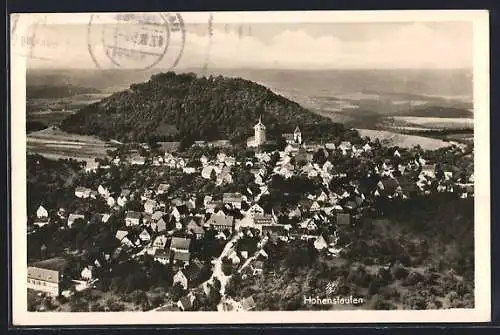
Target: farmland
436, 122
406, 141
55, 143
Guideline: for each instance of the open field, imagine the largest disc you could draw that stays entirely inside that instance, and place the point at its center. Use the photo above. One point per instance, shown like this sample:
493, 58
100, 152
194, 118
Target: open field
55, 143
436, 122
401, 140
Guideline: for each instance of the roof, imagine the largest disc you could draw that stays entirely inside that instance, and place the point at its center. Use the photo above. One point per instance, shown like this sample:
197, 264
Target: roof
185, 302
120, 234
157, 215
248, 303
51, 276
125, 193
181, 256
273, 228
160, 240
221, 220
195, 228
55, 263
232, 196
180, 243
297, 130
163, 187
162, 253
73, 217
150, 202
343, 219
133, 215
288, 136
265, 217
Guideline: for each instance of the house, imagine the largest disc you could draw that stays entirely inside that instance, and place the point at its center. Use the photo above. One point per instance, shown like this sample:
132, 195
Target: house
103, 191
46, 276
159, 226
320, 243
428, 170
221, 222
132, 218
127, 242
123, 198
266, 219
180, 244
345, 145
86, 273
207, 171
162, 256
163, 188
234, 199
160, 242
82, 192
156, 216
179, 211
315, 207
256, 210
111, 201
248, 303
258, 268
366, 147
180, 278
186, 303
41, 212
120, 234
150, 206
194, 226
182, 256
144, 236
73, 217
42, 222
275, 231
138, 160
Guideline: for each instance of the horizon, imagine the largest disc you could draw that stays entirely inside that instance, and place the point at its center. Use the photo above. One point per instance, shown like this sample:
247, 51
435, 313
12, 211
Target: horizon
218, 45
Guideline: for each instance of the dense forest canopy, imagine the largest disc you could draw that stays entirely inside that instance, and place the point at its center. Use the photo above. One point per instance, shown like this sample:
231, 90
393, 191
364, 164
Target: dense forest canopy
185, 107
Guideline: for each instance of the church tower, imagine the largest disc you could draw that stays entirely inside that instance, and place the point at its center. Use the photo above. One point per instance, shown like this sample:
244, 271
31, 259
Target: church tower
260, 133
297, 135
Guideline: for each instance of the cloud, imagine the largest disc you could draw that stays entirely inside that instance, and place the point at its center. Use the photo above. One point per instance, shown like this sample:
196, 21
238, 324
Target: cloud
416, 45
412, 46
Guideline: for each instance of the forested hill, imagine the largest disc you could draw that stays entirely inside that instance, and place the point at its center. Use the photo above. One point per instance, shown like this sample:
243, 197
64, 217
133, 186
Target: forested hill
185, 107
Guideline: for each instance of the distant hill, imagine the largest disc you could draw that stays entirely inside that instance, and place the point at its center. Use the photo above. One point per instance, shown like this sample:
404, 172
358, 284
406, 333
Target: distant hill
58, 91
438, 111
185, 107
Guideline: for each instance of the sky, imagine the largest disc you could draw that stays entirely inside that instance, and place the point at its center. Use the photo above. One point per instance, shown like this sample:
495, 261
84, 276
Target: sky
281, 45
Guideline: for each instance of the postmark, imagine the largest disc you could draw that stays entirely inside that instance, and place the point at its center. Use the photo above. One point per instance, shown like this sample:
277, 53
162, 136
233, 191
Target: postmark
32, 38
136, 41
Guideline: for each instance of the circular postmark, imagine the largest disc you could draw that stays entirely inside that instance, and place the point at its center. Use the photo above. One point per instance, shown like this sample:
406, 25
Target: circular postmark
33, 37
136, 41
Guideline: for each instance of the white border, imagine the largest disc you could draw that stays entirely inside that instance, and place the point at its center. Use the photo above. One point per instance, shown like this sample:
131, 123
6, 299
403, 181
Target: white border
481, 312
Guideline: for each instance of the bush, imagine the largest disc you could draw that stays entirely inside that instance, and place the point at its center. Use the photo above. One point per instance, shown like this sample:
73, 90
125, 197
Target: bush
399, 272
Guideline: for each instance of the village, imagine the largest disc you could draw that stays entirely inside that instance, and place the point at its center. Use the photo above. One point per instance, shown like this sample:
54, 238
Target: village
208, 213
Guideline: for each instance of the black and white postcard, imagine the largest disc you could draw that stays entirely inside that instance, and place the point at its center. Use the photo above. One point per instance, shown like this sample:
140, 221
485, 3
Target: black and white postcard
250, 167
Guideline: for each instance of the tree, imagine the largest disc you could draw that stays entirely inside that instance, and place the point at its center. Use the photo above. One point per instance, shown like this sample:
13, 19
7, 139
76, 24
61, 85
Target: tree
177, 291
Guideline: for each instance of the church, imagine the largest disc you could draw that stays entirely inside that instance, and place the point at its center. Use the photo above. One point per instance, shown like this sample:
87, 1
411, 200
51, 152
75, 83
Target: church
260, 135
260, 138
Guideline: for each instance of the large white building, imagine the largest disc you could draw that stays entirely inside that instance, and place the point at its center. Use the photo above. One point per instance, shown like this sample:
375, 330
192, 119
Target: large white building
260, 135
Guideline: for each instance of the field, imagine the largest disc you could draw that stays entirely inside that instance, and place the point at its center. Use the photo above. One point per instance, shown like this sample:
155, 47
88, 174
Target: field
436, 122
404, 141
55, 143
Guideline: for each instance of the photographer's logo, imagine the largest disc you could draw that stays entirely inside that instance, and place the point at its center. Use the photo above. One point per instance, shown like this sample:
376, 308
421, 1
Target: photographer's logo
330, 289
